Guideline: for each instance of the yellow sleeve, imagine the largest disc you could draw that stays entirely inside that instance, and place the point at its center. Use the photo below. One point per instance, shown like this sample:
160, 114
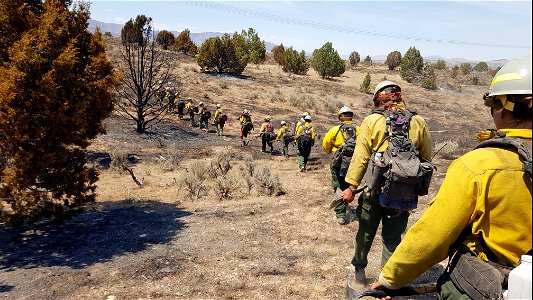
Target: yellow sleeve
313, 134
419, 134
328, 143
427, 242
217, 112
263, 128
281, 132
370, 134
297, 128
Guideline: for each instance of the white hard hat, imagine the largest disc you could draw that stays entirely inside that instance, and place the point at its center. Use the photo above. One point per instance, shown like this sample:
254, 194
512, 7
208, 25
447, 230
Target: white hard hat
283, 123
345, 109
307, 118
305, 114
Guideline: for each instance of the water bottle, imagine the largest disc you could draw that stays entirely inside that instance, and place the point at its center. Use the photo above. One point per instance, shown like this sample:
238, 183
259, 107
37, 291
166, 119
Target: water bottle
519, 284
378, 159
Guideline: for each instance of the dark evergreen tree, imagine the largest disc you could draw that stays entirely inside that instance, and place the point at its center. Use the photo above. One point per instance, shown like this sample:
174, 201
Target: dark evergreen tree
411, 65
327, 62
55, 90
165, 39
183, 43
354, 59
393, 60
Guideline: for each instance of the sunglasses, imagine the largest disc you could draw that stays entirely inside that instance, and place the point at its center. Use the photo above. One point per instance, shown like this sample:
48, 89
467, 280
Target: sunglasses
390, 90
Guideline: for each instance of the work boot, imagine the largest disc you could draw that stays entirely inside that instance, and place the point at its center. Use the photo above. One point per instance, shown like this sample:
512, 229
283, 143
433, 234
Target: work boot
359, 274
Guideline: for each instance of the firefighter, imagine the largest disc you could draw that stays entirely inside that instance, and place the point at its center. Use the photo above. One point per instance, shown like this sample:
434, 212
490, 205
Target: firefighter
481, 215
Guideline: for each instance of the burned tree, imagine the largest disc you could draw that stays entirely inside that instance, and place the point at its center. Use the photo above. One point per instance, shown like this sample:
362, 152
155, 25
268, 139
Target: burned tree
148, 80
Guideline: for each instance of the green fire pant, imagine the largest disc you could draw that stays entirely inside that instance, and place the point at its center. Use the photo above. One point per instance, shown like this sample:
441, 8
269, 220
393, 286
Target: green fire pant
337, 182
370, 214
303, 157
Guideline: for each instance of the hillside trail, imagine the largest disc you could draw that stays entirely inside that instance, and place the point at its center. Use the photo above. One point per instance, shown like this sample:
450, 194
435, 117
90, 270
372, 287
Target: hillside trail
156, 242
151, 243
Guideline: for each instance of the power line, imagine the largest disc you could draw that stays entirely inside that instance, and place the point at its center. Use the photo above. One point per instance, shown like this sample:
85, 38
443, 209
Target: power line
336, 28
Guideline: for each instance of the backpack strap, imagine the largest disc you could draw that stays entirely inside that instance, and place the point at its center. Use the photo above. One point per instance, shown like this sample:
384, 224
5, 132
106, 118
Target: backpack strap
522, 147
340, 127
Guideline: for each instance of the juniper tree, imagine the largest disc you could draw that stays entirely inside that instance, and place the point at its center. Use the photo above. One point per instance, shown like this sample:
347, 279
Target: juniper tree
411, 65
278, 53
295, 62
221, 54
327, 62
183, 43
393, 60
165, 39
481, 67
354, 59
55, 90
255, 47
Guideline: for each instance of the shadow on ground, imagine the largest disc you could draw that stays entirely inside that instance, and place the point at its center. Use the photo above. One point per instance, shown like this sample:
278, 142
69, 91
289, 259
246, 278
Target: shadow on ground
5, 288
112, 228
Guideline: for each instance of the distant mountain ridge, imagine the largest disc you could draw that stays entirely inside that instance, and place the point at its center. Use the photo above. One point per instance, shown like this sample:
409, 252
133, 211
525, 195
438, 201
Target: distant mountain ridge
200, 37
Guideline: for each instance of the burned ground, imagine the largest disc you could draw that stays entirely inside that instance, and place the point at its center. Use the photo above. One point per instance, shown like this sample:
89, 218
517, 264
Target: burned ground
155, 242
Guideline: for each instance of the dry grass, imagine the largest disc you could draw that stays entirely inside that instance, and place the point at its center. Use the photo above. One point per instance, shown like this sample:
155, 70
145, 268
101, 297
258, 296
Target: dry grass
252, 244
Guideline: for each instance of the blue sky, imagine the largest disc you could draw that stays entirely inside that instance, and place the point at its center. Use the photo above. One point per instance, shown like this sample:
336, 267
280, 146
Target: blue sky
475, 30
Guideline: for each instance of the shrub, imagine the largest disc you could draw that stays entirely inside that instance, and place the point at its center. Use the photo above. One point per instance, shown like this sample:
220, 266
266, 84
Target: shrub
225, 187
429, 83
172, 159
454, 71
367, 61
440, 65
191, 185
266, 183
222, 163
277, 96
365, 85
247, 170
481, 66
466, 68
333, 106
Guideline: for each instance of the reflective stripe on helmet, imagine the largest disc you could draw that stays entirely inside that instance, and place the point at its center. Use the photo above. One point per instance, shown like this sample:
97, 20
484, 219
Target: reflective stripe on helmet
506, 77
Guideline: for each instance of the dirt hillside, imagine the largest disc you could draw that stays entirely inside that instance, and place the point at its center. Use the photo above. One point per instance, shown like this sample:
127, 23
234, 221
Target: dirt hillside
273, 238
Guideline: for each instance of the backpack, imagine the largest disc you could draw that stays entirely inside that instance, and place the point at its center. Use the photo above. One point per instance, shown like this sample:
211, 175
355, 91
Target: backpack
304, 140
522, 147
223, 117
206, 114
399, 173
343, 156
268, 127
